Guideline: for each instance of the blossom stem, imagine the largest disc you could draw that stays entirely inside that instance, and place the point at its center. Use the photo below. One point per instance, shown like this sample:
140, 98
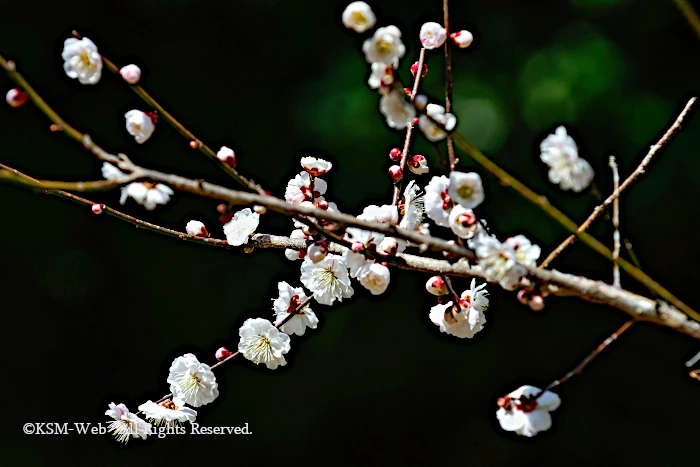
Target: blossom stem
579, 368
448, 81
409, 130
616, 221
690, 14
455, 295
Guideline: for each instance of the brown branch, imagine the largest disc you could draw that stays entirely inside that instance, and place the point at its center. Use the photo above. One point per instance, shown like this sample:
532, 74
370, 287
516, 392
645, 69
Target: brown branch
448, 81
616, 221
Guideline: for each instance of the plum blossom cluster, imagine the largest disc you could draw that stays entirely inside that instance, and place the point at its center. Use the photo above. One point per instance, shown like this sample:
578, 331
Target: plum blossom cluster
566, 168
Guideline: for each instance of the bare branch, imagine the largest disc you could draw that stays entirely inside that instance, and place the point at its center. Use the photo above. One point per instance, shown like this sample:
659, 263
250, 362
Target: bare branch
616, 221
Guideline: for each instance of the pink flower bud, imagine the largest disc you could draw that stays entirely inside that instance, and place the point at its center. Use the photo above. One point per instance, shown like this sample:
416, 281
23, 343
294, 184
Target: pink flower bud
194, 144
15, 97
227, 156
462, 38
536, 303
317, 252
196, 229
357, 247
414, 69
436, 286
414, 121
131, 74
322, 204
395, 172
97, 208
524, 296
395, 154
407, 91
223, 353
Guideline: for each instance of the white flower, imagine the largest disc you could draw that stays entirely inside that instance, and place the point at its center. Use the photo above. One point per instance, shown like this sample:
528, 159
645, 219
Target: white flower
385, 46
463, 222
432, 131
418, 165
227, 156
125, 423
147, 194
468, 319
82, 60
241, 226
466, 189
356, 263
382, 75
192, 382
438, 203
398, 111
522, 413
299, 188
462, 38
315, 167
131, 74
359, 17
412, 207
139, 125
261, 342
385, 214
110, 172
196, 229
432, 35
169, 412
498, 261
328, 279
566, 168
375, 278
525, 252
289, 298
293, 255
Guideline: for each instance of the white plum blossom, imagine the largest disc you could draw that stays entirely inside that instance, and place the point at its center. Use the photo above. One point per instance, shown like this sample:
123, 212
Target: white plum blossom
131, 73
289, 298
315, 166
359, 17
526, 410
241, 226
467, 317
418, 164
412, 207
498, 261
566, 168
375, 278
82, 60
462, 38
110, 172
385, 214
294, 255
328, 279
261, 342
466, 189
147, 194
385, 46
192, 382
382, 75
356, 263
525, 252
463, 222
170, 412
438, 203
139, 125
299, 188
432, 131
126, 424
196, 229
432, 35
227, 156
397, 110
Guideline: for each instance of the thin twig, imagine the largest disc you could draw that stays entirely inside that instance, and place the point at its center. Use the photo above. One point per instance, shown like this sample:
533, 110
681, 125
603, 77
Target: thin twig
693, 360
637, 172
690, 15
616, 221
448, 82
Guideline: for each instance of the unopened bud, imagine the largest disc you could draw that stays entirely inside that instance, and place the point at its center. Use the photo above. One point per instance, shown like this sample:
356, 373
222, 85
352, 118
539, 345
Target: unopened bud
395, 172
322, 204
15, 97
260, 209
357, 247
389, 246
414, 121
196, 229
131, 74
524, 296
97, 208
223, 353
395, 154
414, 69
194, 144
536, 303
317, 252
227, 156
407, 91
436, 286
462, 38
421, 101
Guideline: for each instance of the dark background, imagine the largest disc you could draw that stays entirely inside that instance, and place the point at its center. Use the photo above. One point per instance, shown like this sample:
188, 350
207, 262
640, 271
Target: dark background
95, 310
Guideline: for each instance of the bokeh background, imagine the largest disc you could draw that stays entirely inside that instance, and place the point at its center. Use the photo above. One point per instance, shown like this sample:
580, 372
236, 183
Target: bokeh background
95, 310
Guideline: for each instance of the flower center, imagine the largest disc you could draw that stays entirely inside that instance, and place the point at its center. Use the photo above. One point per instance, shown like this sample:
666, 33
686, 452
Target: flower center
122, 429
465, 191
261, 350
359, 18
189, 384
383, 47
85, 58
326, 278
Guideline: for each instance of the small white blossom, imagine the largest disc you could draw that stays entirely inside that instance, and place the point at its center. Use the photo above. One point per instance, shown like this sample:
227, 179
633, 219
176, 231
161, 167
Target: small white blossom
196, 229
382, 75
126, 424
418, 165
385, 214
241, 226
498, 261
397, 110
169, 412
375, 278
110, 172
131, 74
412, 207
315, 166
462, 38
438, 203
359, 17
436, 286
463, 222
385, 46
147, 194
467, 317
294, 255
289, 298
261, 342
526, 414
432, 131
566, 168
328, 279
192, 382
299, 188
466, 189
525, 252
139, 125
82, 60
432, 35
227, 156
